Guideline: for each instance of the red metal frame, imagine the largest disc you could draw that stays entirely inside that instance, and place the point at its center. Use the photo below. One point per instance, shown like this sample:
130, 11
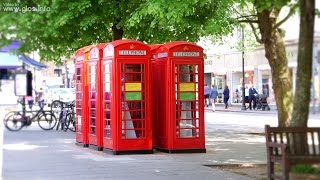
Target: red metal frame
82, 96
179, 73
127, 124
95, 96
154, 81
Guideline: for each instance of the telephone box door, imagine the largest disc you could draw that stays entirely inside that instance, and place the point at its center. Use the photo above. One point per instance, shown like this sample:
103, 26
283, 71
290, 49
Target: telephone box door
127, 98
135, 105
78, 104
93, 97
95, 131
82, 96
189, 123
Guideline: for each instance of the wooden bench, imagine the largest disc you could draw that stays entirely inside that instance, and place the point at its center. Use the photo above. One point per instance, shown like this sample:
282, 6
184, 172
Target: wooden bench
283, 147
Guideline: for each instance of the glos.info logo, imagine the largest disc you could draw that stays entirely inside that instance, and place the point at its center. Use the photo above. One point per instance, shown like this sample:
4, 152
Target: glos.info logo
17, 8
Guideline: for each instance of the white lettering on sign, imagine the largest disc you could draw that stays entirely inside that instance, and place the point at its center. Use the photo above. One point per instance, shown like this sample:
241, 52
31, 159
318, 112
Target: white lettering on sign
94, 53
80, 58
108, 51
190, 54
133, 52
94, 56
162, 55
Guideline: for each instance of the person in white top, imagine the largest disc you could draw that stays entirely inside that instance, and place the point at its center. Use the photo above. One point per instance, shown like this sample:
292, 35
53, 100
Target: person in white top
246, 94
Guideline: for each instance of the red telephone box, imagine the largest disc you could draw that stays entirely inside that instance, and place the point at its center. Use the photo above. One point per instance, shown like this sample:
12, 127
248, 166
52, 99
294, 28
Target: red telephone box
95, 95
81, 75
154, 81
126, 98
179, 73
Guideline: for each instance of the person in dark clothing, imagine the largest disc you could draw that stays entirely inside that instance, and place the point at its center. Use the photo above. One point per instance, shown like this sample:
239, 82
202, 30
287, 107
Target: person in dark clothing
265, 90
252, 97
226, 94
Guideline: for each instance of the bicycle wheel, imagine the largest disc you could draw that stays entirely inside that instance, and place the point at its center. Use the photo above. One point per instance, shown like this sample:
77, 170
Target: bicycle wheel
14, 121
70, 122
62, 120
56, 107
47, 120
7, 115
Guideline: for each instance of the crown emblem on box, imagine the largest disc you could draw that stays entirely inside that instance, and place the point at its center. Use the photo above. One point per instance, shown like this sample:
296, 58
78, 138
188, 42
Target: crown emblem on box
185, 48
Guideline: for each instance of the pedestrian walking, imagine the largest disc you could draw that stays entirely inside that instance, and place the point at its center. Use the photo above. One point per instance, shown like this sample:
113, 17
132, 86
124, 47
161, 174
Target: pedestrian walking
236, 96
265, 90
206, 95
252, 97
226, 94
41, 98
246, 95
30, 101
213, 97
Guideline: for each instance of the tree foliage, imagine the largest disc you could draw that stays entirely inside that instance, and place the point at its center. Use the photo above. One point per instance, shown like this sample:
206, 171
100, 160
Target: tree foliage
68, 25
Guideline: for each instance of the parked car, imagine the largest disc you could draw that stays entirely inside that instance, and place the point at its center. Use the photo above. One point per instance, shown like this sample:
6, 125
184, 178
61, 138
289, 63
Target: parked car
67, 94
62, 94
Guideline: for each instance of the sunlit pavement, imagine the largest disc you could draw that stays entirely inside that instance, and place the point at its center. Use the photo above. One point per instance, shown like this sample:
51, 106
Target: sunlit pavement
231, 137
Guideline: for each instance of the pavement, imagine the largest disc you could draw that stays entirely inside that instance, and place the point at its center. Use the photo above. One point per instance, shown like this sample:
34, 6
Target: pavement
36, 154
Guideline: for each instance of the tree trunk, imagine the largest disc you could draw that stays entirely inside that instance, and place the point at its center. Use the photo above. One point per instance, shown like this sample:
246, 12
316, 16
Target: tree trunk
117, 33
276, 55
304, 70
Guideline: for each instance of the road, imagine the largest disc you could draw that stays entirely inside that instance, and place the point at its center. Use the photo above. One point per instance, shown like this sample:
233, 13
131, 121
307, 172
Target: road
231, 137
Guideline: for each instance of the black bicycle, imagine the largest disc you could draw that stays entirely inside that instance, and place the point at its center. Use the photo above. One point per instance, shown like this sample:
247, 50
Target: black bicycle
71, 118
65, 112
16, 120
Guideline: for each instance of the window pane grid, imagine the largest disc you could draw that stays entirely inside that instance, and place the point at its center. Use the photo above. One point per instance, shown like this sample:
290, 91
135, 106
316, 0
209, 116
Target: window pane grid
187, 110
107, 100
79, 99
133, 101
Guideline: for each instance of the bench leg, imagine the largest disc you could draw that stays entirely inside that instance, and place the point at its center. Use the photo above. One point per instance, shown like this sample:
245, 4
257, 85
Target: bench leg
285, 170
270, 166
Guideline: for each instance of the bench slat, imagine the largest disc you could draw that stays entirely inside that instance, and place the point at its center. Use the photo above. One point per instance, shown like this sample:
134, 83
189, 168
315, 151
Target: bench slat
313, 144
288, 140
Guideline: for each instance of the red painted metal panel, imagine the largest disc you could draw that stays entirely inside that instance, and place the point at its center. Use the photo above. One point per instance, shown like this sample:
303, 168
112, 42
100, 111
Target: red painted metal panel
95, 96
82, 95
154, 86
180, 80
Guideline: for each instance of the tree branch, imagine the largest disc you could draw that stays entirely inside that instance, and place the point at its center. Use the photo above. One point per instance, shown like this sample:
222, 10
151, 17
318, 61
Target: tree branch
255, 33
246, 17
248, 21
292, 10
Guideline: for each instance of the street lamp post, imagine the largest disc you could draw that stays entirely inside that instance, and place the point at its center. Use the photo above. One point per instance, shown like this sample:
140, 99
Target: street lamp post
243, 88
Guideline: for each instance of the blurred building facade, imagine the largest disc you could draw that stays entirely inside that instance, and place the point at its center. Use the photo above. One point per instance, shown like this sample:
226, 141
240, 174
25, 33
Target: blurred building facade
226, 69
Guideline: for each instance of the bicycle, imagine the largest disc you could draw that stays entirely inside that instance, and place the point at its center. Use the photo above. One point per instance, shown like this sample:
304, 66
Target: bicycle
70, 118
16, 120
65, 112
